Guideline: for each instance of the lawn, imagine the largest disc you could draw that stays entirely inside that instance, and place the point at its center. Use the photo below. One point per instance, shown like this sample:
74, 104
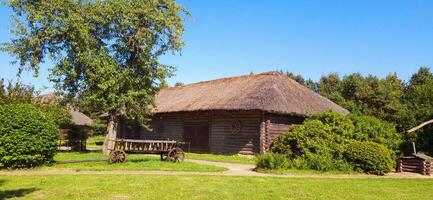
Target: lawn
135, 162
222, 158
91, 142
209, 187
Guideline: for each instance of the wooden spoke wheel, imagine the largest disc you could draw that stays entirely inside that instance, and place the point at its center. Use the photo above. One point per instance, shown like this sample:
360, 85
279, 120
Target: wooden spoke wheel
164, 157
175, 155
117, 156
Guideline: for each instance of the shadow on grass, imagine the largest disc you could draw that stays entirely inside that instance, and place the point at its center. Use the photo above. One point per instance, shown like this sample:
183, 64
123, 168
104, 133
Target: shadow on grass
8, 194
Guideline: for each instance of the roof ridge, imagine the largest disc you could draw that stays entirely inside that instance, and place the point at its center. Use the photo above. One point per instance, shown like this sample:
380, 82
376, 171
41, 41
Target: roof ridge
270, 73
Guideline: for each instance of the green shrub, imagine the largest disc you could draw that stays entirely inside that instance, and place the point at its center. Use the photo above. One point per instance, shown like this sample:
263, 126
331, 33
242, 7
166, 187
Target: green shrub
369, 157
272, 161
368, 128
321, 141
325, 134
27, 136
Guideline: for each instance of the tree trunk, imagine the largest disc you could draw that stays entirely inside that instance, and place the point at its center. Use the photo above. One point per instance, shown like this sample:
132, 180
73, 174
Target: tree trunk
111, 135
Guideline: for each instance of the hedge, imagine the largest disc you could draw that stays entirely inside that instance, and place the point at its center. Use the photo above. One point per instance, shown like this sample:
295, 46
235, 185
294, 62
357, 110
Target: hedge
27, 136
369, 157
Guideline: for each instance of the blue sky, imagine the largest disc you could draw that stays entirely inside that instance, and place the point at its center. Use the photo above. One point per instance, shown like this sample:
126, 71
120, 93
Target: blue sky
311, 38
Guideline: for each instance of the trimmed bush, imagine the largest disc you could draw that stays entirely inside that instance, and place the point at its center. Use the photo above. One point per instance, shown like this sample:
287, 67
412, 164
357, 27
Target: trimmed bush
369, 157
272, 161
27, 136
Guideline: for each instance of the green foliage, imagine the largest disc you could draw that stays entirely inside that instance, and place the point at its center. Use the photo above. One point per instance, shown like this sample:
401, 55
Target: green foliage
368, 128
105, 52
325, 134
19, 93
59, 114
27, 136
272, 161
321, 142
16, 93
99, 126
369, 157
419, 100
390, 99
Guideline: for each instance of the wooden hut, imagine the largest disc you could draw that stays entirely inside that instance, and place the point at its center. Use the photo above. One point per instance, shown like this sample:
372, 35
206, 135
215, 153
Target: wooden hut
235, 115
74, 135
416, 163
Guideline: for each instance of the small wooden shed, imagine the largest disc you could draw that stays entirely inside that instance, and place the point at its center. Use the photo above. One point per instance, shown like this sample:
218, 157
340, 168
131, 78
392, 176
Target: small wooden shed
416, 163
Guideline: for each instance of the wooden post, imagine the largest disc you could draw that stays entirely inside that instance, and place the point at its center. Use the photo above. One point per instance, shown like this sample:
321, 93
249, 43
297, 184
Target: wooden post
414, 148
399, 166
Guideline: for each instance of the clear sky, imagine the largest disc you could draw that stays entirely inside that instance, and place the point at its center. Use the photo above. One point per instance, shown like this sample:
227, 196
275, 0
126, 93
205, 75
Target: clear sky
311, 38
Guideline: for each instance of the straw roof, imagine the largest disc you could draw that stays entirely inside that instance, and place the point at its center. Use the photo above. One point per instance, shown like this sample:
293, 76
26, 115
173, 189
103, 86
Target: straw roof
270, 91
77, 117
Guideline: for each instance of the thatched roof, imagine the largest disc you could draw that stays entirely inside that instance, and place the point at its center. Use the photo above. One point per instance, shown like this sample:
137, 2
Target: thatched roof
271, 92
77, 117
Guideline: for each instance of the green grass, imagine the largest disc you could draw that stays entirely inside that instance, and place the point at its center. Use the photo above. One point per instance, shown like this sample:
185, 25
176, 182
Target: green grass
135, 162
303, 171
90, 143
209, 187
222, 158
78, 156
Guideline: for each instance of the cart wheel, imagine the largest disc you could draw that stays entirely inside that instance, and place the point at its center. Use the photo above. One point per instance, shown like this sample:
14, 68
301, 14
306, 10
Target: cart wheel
117, 156
164, 157
180, 155
175, 155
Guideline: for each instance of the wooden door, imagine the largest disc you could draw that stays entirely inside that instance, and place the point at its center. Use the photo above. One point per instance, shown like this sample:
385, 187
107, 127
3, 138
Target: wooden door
198, 137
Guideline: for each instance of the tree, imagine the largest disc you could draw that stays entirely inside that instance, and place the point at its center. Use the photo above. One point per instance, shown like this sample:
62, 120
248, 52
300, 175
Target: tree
298, 78
330, 84
178, 84
105, 53
419, 101
16, 92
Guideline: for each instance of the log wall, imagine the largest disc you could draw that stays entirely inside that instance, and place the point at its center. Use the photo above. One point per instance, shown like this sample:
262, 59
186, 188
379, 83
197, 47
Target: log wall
414, 165
224, 140
273, 126
255, 135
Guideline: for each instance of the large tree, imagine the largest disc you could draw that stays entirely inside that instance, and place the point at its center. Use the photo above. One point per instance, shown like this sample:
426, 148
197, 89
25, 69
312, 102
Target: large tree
105, 52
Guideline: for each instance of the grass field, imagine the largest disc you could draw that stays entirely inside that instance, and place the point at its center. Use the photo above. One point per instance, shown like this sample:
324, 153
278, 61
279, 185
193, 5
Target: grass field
91, 142
222, 158
135, 162
209, 187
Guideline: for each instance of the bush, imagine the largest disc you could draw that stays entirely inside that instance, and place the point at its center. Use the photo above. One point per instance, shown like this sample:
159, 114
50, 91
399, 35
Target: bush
368, 128
321, 141
27, 136
272, 161
326, 135
369, 157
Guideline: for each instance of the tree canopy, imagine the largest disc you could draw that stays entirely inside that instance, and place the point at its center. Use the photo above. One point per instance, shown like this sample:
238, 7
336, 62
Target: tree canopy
105, 53
404, 104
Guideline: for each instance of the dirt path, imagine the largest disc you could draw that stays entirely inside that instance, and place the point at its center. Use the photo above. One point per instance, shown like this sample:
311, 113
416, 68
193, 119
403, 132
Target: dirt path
233, 170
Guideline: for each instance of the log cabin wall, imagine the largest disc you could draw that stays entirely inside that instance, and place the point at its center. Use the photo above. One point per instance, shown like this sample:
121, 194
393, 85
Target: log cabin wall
235, 132
274, 125
230, 132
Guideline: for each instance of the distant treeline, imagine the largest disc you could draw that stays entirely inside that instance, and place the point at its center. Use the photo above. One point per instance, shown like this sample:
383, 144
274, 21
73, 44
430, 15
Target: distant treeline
406, 104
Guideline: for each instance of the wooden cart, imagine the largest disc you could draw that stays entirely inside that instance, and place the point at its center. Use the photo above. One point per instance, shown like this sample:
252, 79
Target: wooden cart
169, 150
